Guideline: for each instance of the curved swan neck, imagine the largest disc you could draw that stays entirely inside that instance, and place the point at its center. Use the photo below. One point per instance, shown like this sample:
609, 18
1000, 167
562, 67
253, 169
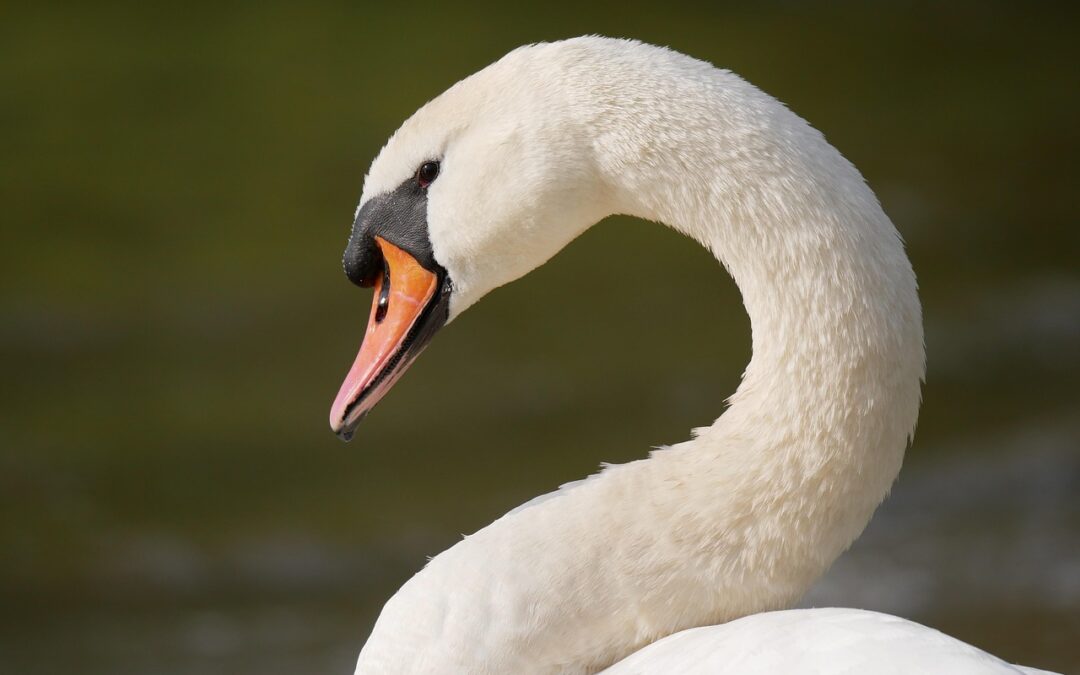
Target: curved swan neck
745, 516
835, 318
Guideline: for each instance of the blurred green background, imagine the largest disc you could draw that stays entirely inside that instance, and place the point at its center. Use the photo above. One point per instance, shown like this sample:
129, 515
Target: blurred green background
178, 183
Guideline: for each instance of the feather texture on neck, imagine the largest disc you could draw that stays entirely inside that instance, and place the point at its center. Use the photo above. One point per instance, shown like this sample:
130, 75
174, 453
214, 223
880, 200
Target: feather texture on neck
747, 514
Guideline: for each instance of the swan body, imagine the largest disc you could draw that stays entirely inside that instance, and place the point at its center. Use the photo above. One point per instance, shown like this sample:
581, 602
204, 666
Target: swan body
741, 518
814, 641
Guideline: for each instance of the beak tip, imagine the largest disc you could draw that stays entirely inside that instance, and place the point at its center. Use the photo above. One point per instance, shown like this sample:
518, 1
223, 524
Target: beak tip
346, 429
338, 426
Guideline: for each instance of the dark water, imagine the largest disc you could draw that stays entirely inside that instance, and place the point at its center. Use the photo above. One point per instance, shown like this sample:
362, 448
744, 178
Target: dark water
177, 186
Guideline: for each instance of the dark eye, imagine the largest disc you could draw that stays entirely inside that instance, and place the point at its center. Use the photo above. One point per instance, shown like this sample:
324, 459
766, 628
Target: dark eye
427, 173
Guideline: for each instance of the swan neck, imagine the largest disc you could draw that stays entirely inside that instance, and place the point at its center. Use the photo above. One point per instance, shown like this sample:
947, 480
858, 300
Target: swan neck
816, 432
746, 515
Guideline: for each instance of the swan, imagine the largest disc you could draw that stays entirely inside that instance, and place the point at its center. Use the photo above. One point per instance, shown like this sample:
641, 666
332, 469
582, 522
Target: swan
674, 563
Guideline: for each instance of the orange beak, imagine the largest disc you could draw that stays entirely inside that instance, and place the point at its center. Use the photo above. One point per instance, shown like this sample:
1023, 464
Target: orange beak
406, 311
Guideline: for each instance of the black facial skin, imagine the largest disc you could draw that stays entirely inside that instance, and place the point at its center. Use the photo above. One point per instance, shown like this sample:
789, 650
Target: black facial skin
399, 217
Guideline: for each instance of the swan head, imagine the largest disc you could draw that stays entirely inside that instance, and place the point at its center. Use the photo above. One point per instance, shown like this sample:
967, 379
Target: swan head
480, 186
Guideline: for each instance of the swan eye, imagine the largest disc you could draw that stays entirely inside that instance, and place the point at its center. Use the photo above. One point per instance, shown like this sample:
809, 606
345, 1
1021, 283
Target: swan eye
427, 173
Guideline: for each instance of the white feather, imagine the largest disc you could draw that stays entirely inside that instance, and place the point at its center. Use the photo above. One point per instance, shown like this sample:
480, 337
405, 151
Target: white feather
745, 516
813, 642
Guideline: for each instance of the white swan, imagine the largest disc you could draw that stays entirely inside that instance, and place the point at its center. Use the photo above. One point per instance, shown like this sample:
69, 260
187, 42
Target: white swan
492, 178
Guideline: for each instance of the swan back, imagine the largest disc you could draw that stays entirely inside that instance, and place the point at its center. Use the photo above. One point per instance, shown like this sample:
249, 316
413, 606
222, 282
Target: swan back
813, 641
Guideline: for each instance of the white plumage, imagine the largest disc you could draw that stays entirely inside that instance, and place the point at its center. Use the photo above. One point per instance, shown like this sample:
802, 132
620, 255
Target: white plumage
741, 519
814, 641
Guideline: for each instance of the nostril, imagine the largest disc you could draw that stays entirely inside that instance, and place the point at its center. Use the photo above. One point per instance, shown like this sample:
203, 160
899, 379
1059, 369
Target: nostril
384, 295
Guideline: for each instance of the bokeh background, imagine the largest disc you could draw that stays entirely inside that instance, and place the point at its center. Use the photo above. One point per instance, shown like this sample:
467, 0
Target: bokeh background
177, 184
